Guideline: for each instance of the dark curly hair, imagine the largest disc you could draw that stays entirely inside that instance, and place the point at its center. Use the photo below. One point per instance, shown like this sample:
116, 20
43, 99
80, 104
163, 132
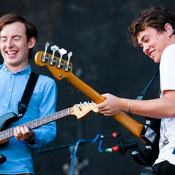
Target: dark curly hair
155, 17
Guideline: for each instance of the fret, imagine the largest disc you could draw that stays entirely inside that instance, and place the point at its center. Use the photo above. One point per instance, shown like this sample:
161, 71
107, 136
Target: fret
6, 134
2, 135
37, 122
68, 111
46, 120
62, 113
10, 132
53, 117
58, 115
29, 125
40, 121
34, 124
26, 124
43, 120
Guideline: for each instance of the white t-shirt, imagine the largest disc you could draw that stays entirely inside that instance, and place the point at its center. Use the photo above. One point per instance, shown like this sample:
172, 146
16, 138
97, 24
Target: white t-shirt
167, 128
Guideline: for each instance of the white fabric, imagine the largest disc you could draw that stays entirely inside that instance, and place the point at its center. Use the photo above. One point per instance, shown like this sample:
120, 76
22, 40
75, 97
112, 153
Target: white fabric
167, 129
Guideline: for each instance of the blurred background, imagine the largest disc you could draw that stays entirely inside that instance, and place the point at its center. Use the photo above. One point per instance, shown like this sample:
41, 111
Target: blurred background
96, 33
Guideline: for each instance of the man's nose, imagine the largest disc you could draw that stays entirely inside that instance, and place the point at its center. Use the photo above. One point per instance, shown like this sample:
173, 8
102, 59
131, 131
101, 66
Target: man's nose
9, 43
146, 49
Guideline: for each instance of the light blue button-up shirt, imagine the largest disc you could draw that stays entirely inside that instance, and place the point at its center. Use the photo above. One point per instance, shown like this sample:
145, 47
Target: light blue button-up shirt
42, 103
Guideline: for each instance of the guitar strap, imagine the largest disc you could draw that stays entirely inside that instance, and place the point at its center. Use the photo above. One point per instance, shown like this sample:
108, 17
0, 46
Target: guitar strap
145, 90
150, 154
155, 123
22, 105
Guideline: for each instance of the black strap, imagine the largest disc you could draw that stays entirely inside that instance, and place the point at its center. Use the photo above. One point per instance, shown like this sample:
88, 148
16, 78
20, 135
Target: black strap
22, 105
145, 90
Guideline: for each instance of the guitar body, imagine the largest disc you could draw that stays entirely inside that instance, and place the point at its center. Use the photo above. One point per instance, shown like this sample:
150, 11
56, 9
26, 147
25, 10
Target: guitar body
148, 156
5, 121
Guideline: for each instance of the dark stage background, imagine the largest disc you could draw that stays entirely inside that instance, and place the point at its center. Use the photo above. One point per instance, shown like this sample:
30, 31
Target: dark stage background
96, 32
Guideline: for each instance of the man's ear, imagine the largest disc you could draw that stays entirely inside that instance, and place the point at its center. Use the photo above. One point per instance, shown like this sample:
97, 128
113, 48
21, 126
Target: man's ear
168, 28
31, 42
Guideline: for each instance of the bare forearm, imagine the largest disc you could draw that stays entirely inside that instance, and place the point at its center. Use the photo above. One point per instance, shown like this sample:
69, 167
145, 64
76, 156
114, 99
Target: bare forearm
157, 108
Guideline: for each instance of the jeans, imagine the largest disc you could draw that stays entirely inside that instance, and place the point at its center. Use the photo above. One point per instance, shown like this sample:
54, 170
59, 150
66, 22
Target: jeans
164, 168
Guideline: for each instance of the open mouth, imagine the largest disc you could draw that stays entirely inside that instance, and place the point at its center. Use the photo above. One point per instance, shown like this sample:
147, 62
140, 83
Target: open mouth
151, 53
11, 52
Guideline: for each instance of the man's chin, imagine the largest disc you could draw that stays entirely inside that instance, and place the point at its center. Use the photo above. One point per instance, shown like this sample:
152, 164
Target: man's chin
156, 60
12, 63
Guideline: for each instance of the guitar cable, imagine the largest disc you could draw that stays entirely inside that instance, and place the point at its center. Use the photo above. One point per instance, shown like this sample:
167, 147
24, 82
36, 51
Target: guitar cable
121, 147
82, 141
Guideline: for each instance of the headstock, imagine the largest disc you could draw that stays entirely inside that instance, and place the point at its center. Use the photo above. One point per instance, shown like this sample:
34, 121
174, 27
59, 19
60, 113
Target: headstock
59, 67
83, 109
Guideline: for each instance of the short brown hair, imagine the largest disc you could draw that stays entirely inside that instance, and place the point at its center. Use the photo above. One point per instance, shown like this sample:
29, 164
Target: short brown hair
155, 17
31, 30
9, 18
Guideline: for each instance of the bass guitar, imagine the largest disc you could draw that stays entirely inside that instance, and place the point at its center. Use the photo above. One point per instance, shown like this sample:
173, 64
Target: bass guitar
79, 110
61, 69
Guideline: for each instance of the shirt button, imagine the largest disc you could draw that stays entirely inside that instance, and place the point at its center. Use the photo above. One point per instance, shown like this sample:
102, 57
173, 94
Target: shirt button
5, 104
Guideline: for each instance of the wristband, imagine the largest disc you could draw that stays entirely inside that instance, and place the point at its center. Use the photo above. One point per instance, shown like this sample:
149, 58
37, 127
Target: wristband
129, 102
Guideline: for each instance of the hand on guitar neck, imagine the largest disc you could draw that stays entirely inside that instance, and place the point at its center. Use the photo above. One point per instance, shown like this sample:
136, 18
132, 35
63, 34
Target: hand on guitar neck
24, 133
112, 105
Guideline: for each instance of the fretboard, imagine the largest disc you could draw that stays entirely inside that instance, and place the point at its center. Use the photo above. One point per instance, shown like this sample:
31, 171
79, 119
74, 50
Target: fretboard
8, 133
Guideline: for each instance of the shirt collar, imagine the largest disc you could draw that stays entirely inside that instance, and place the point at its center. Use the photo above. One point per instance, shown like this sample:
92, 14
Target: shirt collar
20, 72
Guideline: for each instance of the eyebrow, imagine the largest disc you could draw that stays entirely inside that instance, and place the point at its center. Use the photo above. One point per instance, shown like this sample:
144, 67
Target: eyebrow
142, 39
12, 36
2, 37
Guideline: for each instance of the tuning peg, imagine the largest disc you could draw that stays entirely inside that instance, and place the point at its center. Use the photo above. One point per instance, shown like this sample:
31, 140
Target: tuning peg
69, 55
67, 64
62, 52
89, 103
54, 49
85, 103
80, 105
46, 47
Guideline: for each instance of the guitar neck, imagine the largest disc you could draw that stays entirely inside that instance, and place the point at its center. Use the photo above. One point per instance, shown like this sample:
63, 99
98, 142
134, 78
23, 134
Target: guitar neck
60, 73
129, 123
8, 133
